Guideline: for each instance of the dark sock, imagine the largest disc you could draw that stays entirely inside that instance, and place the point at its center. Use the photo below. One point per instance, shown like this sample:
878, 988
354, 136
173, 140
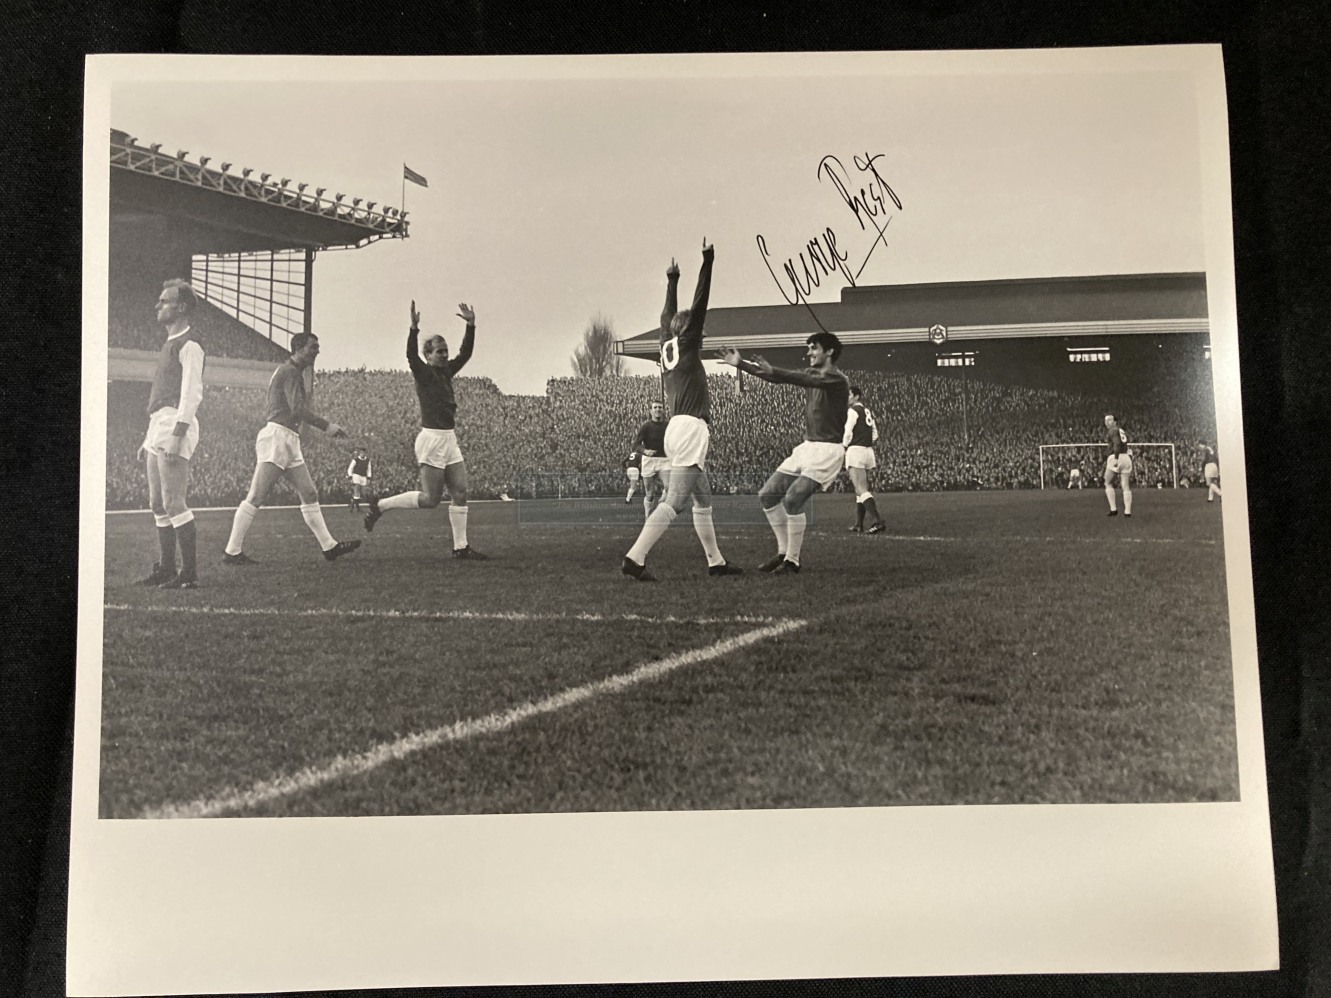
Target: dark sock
859, 514
872, 507
166, 540
185, 533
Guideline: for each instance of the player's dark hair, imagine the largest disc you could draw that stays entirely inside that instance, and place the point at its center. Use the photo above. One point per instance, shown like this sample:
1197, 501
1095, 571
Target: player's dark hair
299, 340
184, 293
855, 390
827, 341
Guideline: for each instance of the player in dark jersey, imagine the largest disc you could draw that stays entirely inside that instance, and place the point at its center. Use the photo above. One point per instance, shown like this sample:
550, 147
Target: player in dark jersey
860, 436
632, 466
359, 471
173, 433
816, 462
687, 435
650, 444
278, 453
437, 452
1118, 466
1210, 470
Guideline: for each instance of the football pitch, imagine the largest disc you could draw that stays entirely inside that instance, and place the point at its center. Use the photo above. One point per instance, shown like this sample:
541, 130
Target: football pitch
991, 647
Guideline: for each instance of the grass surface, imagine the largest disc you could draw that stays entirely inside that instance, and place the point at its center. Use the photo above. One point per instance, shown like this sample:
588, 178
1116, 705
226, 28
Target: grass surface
1016, 647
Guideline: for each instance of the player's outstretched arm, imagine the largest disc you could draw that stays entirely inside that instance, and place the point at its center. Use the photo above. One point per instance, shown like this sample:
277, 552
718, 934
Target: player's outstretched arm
413, 339
672, 296
467, 315
698, 313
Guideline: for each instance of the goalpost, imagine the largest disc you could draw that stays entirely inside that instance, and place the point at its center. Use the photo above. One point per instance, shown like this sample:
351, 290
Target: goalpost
1144, 457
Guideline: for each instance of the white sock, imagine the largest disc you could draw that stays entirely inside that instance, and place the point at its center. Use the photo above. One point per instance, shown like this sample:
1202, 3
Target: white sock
657, 524
406, 500
457, 519
1109, 491
161, 519
647, 506
240, 526
1127, 501
314, 519
1214, 490
795, 524
706, 531
776, 516
181, 519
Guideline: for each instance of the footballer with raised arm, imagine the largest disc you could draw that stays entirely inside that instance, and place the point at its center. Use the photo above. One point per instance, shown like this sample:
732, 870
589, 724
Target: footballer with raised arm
437, 452
1118, 465
860, 436
650, 444
687, 435
815, 463
278, 454
173, 433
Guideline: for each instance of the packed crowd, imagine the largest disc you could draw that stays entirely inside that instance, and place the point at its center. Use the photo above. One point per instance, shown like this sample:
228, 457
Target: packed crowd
572, 440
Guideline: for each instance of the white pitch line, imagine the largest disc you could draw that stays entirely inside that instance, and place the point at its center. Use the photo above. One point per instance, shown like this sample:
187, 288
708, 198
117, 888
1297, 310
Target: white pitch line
514, 616
1049, 540
379, 755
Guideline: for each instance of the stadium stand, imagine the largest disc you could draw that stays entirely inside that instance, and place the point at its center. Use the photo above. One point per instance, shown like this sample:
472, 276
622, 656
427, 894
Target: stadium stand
571, 440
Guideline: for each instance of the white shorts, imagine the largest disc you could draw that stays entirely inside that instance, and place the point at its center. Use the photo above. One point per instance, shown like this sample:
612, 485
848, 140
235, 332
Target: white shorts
687, 439
633, 474
861, 457
277, 445
162, 425
359, 480
438, 448
1211, 472
820, 460
1121, 466
653, 466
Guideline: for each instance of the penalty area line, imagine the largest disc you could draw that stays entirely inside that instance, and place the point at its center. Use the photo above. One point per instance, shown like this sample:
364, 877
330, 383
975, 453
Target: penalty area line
513, 616
354, 765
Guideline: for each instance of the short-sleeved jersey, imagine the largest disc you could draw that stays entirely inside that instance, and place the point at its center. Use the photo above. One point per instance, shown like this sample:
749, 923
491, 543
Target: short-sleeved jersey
360, 466
1117, 439
861, 432
651, 437
434, 385
1209, 456
681, 353
634, 460
289, 400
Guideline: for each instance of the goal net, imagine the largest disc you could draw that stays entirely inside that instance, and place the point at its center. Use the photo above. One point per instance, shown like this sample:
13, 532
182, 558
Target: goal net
1152, 464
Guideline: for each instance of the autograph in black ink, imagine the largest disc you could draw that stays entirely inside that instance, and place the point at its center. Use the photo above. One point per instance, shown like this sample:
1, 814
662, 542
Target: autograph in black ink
821, 257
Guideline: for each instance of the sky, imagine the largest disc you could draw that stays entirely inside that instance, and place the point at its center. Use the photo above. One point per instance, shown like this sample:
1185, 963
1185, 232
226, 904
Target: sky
554, 200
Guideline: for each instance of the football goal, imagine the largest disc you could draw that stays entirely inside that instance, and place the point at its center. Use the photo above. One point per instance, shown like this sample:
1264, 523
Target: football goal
1152, 463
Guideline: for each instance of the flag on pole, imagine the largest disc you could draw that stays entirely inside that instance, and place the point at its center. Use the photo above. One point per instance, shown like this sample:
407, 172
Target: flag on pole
409, 174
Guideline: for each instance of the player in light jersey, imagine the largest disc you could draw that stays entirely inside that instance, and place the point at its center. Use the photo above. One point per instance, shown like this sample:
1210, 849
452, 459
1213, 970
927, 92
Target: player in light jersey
813, 464
860, 436
633, 469
1118, 466
359, 471
687, 435
650, 444
437, 453
278, 453
173, 433
1210, 470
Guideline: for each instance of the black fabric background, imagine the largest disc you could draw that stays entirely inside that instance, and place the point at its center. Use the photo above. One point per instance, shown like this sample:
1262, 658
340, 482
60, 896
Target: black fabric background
1280, 128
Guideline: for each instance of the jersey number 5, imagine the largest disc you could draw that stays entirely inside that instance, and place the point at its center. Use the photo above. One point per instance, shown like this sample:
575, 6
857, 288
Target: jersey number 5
670, 353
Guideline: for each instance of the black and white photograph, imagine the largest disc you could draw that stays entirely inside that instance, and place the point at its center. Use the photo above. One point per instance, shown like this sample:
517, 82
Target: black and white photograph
658, 489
